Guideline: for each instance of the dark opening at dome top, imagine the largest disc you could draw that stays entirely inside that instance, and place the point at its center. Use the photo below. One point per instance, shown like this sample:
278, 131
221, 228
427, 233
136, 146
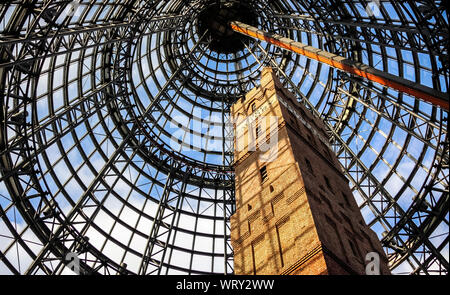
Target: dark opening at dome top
216, 19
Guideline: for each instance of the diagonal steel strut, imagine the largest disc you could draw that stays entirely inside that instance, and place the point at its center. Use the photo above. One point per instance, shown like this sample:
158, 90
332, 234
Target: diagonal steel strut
400, 84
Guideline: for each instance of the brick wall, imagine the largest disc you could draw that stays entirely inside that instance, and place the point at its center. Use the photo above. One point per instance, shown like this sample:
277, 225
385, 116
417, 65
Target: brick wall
295, 214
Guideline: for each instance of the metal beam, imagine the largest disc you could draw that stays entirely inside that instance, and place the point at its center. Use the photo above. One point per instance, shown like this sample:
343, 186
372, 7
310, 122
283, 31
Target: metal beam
408, 28
59, 42
400, 84
157, 24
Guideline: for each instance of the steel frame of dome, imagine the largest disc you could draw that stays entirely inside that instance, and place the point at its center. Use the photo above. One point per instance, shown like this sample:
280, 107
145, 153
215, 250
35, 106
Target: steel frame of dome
92, 98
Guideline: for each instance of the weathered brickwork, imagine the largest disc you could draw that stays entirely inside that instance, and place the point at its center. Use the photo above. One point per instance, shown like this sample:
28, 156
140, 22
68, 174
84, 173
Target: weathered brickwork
296, 213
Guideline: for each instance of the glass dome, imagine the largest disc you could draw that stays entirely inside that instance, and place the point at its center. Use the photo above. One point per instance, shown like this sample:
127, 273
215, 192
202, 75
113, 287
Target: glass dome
115, 140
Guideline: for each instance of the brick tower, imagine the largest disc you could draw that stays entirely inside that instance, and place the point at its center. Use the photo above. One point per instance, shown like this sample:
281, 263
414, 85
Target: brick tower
295, 213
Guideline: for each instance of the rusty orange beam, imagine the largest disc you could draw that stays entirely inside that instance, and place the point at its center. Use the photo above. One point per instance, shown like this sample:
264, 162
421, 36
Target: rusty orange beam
400, 84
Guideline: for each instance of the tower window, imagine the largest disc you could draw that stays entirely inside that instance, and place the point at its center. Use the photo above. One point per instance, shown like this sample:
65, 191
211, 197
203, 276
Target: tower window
327, 151
354, 248
258, 131
302, 113
263, 172
309, 135
309, 166
327, 181
253, 107
294, 123
347, 201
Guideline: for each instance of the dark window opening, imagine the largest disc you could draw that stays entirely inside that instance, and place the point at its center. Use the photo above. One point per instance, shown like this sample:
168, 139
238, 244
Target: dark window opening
347, 201
302, 113
309, 135
327, 181
314, 196
294, 123
327, 151
263, 172
258, 131
309, 166
355, 250
369, 240
333, 225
